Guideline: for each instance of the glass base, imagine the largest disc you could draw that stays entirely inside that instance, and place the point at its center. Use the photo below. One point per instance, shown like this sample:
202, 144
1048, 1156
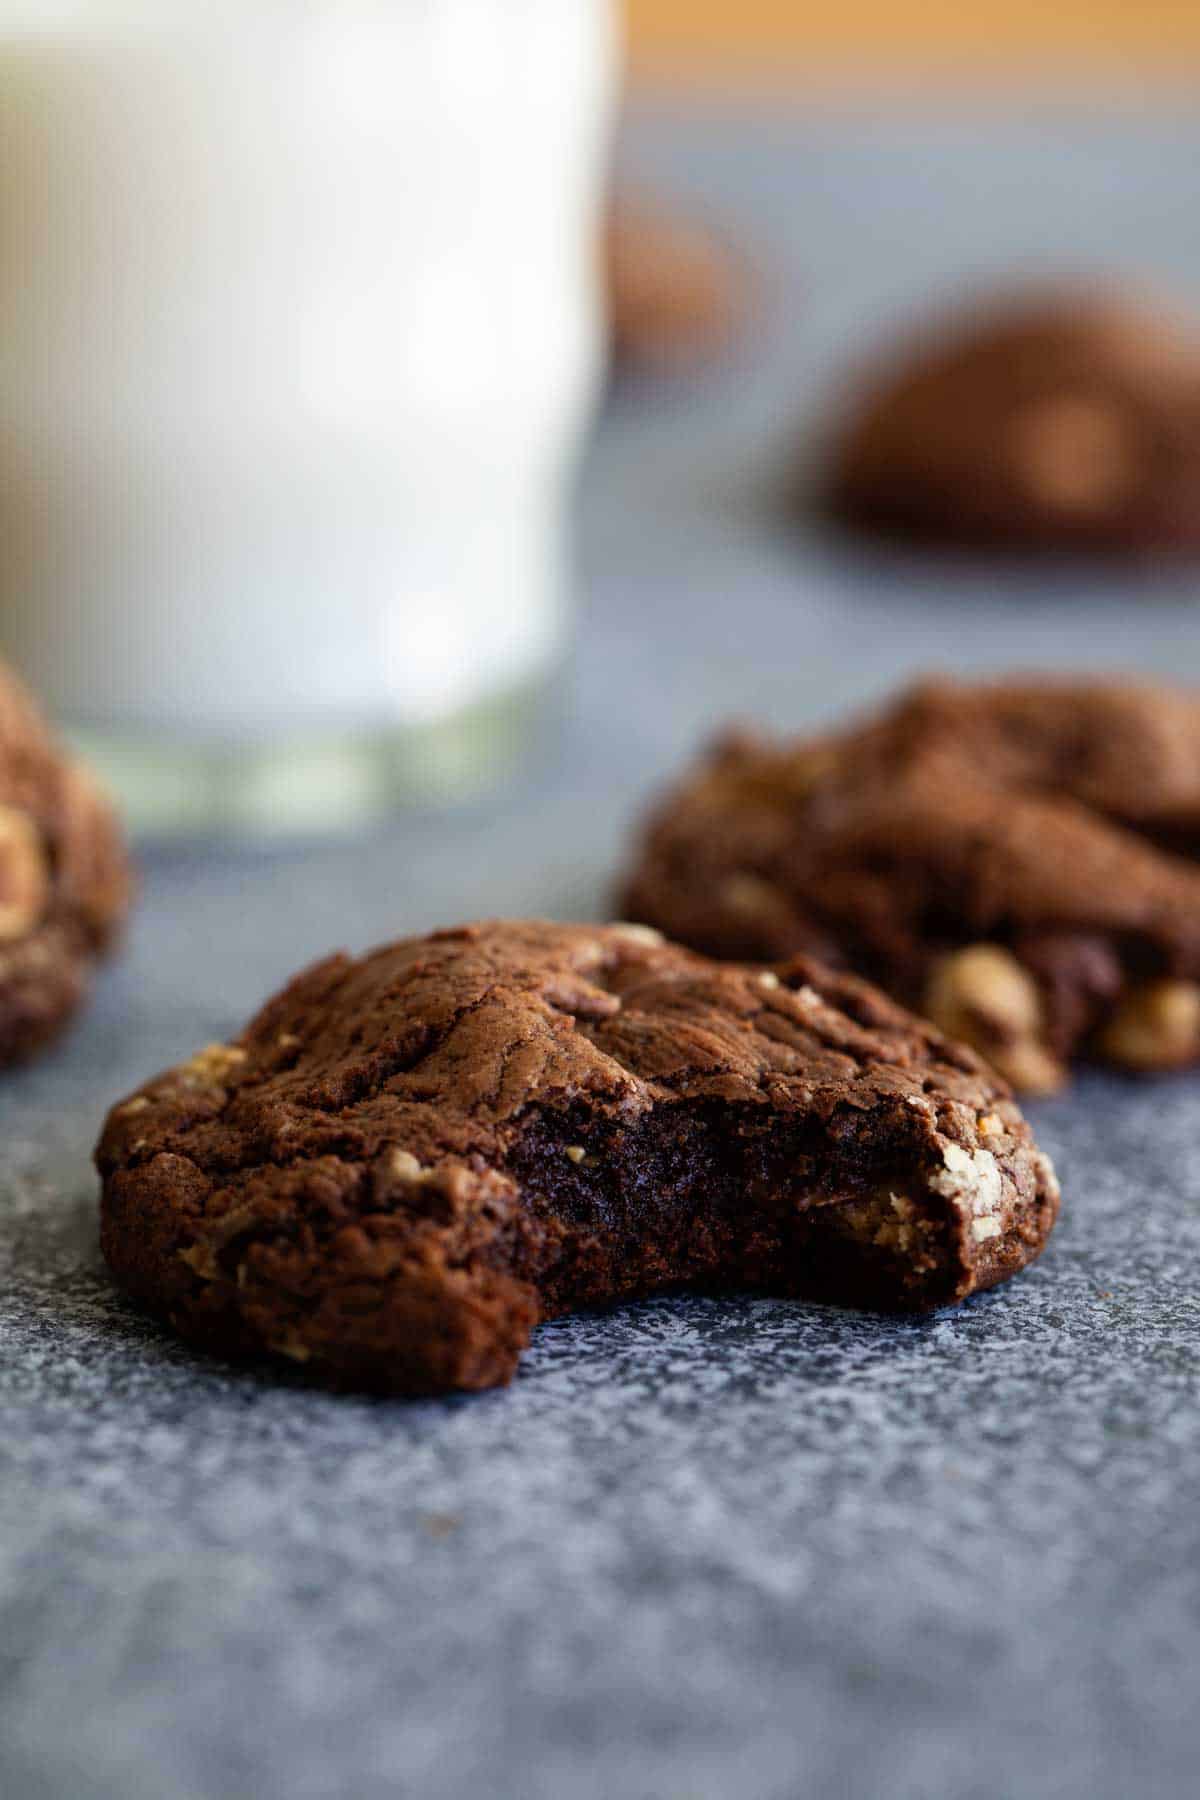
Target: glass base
311, 784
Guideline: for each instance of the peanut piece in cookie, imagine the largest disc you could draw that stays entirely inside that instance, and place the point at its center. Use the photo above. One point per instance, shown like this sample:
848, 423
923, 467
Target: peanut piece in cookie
984, 996
1156, 1026
24, 875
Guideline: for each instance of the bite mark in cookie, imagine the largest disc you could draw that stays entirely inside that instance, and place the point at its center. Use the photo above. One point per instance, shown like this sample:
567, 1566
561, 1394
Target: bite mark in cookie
408, 1160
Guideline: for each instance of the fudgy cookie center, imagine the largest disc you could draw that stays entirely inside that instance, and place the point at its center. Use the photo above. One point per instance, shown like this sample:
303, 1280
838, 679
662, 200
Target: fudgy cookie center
699, 1199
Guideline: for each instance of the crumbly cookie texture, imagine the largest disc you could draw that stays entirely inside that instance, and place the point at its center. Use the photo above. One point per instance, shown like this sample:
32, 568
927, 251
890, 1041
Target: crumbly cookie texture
406, 1161
1059, 419
1018, 861
64, 878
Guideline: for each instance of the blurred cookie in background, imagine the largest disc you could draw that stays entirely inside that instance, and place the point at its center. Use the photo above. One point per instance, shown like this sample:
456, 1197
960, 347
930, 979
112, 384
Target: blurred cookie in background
677, 294
65, 878
1059, 420
1019, 861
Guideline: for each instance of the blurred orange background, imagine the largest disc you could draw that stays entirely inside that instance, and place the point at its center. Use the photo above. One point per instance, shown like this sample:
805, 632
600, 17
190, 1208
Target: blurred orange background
773, 39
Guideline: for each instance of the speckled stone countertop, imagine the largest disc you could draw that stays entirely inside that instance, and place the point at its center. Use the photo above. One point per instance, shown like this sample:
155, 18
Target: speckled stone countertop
701, 1548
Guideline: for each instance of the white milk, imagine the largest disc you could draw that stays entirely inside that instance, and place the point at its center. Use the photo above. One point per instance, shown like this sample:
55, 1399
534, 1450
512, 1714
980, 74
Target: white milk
298, 334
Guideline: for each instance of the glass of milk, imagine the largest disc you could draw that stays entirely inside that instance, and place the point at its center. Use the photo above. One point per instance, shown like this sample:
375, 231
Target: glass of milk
298, 338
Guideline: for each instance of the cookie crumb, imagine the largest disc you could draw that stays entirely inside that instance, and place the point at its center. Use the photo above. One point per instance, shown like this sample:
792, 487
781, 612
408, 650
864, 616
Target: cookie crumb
441, 1525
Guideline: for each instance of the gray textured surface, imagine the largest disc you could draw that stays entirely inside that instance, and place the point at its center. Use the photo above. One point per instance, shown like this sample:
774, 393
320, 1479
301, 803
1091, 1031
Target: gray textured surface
700, 1549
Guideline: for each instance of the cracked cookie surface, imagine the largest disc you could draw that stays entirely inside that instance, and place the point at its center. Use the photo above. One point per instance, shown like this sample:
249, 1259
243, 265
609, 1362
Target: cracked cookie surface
407, 1160
1016, 860
1069, 419
65, 881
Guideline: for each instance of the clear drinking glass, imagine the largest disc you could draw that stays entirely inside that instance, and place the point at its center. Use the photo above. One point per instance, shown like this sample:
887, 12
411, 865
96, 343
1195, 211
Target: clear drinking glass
298, 338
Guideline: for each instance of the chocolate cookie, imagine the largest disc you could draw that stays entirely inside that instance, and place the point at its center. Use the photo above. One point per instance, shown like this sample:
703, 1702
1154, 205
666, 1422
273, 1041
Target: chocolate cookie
675, 293
1018, 861
406, 1161
1064, 420
64, 878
